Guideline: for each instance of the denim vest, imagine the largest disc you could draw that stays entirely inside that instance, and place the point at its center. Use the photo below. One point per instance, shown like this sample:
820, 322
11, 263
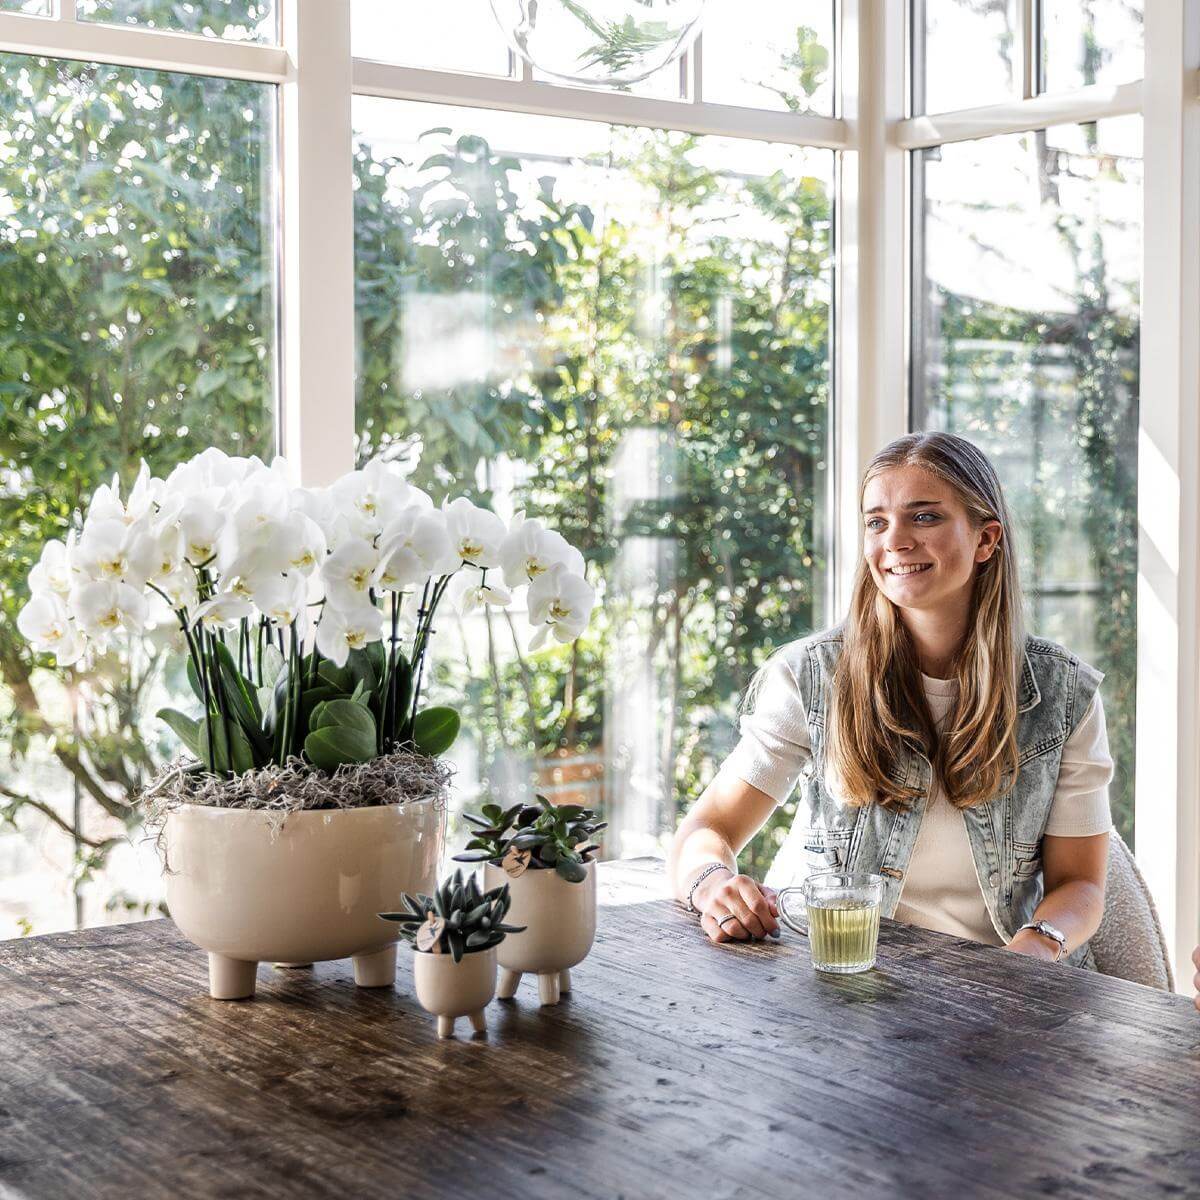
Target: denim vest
1005, 832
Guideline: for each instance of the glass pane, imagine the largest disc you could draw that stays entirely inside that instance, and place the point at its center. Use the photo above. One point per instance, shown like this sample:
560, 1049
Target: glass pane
453, 35
33, 8
624, 332
1091, 41
972, 56
1030, 318
137, 302
763, 54
232, 20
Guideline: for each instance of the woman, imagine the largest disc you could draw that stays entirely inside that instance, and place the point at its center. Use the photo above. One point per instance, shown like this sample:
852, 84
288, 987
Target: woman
937, 745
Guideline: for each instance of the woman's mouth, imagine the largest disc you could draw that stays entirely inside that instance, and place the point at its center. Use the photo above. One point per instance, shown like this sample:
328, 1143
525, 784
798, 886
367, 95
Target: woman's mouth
909, 569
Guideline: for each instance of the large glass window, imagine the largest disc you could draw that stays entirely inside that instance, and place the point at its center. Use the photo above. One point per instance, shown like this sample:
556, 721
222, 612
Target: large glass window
624, 332
1026, 341
231, 20
971, 52
452, 35
1091, 41
763, 54
137, 320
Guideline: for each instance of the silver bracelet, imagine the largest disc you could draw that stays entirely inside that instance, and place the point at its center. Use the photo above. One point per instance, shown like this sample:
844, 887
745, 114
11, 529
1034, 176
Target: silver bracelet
700, 879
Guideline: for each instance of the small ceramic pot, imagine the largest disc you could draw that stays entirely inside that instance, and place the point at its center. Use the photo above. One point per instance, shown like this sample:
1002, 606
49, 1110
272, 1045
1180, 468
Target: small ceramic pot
450, 989
560, 920
250, 888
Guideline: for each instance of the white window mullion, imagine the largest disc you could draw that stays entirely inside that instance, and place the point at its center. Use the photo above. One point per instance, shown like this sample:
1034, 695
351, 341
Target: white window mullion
317, 274
871, 354
1168, 613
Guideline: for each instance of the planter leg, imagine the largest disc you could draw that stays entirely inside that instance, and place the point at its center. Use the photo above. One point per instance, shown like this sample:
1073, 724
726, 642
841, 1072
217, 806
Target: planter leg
507, 987
564, 981
230, 978
479, 1021
376, 970
548, 987
445, 1027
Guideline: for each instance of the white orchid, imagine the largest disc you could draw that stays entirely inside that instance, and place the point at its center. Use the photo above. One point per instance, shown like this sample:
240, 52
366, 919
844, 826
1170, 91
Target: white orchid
283, 600
45, 623
414, 546
179, 587
303, 544
559, 605
144, 498
202, 521
223, 611
371, 497
342, 630
475, 533
111, 550
530, 549
469, 591
54, 571
103, 608
348, 571
163, 552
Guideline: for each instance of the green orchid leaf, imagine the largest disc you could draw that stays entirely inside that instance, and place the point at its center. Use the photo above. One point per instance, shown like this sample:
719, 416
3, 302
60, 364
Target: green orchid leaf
330, 747
435, 729
185, 729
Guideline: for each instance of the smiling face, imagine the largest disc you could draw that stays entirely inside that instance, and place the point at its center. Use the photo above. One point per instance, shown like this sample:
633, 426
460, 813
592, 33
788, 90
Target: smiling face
920, 543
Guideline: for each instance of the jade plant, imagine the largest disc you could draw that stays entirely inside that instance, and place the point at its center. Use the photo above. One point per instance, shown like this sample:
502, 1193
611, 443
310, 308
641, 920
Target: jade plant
459, 919
556, 837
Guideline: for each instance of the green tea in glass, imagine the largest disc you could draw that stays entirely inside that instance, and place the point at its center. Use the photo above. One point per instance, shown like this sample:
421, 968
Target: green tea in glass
842, 915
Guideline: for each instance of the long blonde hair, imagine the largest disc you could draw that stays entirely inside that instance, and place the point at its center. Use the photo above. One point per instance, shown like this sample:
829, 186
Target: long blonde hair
878, 702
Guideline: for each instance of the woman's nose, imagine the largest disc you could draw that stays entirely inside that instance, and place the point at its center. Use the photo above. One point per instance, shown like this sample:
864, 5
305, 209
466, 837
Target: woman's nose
898, 539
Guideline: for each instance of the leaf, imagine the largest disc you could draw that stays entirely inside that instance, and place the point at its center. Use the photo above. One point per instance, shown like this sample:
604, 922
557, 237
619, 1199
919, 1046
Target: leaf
474, 856
342, 714
329, 748
570, 871
339, 678
435, 729
185, 728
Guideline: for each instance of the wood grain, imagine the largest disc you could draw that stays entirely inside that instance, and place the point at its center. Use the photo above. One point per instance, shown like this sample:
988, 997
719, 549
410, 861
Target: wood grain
675, 1069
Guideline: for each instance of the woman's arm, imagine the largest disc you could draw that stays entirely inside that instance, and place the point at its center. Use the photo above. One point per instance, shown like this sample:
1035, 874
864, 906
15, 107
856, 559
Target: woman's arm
727, 815
1074, 870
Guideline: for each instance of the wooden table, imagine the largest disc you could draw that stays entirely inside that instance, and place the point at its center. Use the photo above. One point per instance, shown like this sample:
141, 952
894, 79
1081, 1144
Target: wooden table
676, 1069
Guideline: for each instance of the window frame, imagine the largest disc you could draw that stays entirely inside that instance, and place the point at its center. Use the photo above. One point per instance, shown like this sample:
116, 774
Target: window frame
873, 132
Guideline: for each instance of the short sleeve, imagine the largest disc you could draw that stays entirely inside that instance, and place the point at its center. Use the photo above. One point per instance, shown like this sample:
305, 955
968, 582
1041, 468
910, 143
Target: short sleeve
1080, 806
774, 748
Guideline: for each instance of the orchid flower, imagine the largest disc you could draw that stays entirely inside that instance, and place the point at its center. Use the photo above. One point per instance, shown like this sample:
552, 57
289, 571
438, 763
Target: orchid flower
475, 533
45, 623
469, 591
559, 605
342, 630
530, 549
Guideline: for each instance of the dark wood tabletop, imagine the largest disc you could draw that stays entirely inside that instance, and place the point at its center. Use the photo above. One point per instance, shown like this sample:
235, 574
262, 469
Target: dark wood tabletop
675, 1069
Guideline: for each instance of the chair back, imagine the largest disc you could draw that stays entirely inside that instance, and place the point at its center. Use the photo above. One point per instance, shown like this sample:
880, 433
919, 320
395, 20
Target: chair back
1129, 943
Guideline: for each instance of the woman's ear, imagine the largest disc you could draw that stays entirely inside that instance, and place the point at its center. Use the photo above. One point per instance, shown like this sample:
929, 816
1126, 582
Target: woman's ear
989, 538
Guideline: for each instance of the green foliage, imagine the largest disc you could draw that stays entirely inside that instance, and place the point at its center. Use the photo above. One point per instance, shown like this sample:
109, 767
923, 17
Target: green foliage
473, 920
558, 837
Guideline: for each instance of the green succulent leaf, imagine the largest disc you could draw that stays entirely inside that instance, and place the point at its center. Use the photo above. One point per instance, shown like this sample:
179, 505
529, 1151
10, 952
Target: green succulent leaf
184, 728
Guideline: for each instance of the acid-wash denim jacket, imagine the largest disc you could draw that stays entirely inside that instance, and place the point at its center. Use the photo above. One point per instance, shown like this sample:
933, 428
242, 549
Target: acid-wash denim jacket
1005, 831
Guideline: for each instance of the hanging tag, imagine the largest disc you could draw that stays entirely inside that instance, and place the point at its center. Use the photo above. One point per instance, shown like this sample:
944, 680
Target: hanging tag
515, 862
429, 936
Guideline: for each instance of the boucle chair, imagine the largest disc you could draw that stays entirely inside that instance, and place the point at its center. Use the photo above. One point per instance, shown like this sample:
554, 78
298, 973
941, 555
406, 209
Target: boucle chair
1129, 943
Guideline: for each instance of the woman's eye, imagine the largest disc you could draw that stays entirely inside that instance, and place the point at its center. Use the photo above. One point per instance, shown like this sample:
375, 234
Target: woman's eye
874, 523
921, 517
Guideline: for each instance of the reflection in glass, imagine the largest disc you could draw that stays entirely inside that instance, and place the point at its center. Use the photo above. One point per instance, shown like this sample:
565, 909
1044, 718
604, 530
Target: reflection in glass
137, 300
1027, 342
972, 55
763, 54
231, 20
625, 332
1091, 41
452, 35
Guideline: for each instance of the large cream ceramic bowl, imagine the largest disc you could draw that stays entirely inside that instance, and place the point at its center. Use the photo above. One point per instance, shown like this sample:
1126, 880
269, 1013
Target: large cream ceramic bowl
249, 887
560, 926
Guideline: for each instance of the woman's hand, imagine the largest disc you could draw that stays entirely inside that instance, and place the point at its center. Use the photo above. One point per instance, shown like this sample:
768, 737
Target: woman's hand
736, 908
1033, 944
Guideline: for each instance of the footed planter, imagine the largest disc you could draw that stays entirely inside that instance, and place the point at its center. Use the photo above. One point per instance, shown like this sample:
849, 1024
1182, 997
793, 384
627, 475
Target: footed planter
450, 989
561, 926
252, 886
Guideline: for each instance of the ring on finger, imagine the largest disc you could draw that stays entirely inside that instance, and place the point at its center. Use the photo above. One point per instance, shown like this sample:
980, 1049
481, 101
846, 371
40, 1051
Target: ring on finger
729, 917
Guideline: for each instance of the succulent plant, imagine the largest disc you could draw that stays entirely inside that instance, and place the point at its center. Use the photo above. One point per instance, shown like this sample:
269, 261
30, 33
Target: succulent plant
557, 837
470, 920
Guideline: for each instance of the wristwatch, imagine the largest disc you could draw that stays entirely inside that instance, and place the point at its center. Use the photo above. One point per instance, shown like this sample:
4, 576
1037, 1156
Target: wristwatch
1052, 932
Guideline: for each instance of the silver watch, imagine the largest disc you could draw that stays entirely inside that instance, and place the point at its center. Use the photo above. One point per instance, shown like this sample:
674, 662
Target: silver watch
1052, 932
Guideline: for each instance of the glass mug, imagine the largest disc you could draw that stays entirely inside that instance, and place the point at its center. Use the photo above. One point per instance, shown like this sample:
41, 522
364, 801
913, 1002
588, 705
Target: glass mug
842, 911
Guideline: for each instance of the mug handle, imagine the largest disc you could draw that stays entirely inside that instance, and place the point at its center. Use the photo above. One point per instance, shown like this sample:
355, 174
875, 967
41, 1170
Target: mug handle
790, 920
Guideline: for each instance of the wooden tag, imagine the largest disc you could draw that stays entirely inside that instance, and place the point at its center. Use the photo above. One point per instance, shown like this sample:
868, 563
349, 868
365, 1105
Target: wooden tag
429, 936
515, 862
